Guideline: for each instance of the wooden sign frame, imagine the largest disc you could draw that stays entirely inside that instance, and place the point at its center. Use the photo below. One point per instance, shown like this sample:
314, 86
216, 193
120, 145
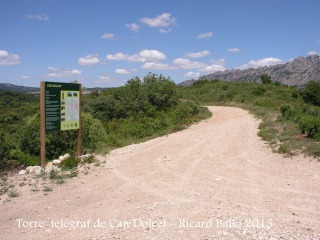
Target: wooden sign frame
45, 124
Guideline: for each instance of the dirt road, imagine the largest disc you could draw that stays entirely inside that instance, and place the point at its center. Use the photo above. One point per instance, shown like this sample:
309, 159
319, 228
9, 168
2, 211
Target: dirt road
214, 180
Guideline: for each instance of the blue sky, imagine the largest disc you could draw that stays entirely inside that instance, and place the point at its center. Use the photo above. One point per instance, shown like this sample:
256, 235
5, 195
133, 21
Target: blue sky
104, 43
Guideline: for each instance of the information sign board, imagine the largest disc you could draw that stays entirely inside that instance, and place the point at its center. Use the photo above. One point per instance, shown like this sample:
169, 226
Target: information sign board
62, 106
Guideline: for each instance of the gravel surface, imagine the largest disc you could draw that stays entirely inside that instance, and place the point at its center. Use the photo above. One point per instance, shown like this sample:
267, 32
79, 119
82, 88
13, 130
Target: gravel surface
214, 180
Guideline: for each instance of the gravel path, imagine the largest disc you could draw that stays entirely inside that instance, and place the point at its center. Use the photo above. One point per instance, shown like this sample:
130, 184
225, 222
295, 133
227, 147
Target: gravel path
214, 180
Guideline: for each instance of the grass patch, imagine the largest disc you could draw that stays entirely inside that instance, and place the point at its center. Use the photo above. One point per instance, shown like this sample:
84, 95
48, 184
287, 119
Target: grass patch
47, 189
56, 177
22, 184
286, 118
13, 193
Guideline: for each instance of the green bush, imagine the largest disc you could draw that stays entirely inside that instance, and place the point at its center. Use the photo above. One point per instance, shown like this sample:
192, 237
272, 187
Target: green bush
93, 131
311, 93
160, 91
137, 98
70, 163
198, 82
4, 147
225, 87
288, 112
311, 126
24, 159
185, 111
265, 79
258, 91
60, 142
57, 143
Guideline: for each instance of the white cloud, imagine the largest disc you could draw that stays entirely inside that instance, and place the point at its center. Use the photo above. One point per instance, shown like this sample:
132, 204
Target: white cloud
122, 71
57, 72
155, 66
312, 53
221, 61
105, 78
193, 75
212, 68
152, 55
198, 54
262, 62
88, 60
107, 35
4, 53
183, 63
25, 77
205, 35
163, 20
117, 57
133, 27
7, 58
165, 30
145, 55
234, 50
40, 17
135, 58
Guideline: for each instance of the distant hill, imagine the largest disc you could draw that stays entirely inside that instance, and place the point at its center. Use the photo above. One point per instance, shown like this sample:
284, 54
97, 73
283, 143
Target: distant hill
16, 88
297, 72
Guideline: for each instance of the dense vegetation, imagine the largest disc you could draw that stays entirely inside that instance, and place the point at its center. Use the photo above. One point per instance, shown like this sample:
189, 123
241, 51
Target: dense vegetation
142, 109
154, 106
290, 117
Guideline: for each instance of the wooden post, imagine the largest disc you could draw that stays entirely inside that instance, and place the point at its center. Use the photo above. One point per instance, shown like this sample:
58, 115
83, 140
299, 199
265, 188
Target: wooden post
79, 140
42, 125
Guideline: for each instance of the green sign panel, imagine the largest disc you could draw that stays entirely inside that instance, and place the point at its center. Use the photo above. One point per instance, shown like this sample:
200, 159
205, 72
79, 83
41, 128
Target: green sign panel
62, 106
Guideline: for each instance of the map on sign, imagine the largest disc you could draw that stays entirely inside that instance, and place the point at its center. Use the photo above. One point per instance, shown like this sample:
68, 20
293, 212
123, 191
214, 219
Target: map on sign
69, 110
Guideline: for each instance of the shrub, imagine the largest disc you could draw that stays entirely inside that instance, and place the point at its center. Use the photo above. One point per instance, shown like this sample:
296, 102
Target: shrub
24, 158
138, 97
56, 142
94, 134
184, 111
202, 81
13, 193
288, 112
265, 79
225, 87
105, 107
311, 93
310, 125
61, 141
258, 91
70, 163
295, 94
160, 91
4, 147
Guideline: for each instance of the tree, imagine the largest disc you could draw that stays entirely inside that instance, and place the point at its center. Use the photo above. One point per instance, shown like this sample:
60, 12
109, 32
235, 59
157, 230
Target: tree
311, 93
265, 79
160, 91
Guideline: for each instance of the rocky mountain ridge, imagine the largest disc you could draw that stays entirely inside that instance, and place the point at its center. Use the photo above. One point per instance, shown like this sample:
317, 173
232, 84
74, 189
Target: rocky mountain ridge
297, 72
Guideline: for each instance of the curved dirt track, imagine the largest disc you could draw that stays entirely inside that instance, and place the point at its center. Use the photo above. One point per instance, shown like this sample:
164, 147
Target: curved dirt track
214, 180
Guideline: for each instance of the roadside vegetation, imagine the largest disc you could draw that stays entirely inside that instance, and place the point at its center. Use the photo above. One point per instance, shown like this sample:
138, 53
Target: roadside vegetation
154, 106
290, 117
140, 110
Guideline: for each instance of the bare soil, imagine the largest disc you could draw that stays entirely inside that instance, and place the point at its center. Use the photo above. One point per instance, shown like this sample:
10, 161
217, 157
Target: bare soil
214, 180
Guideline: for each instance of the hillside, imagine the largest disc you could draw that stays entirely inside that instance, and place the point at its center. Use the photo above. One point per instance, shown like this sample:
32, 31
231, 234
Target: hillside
297, 72
16, 88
